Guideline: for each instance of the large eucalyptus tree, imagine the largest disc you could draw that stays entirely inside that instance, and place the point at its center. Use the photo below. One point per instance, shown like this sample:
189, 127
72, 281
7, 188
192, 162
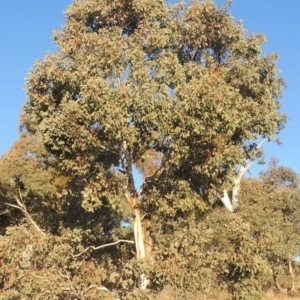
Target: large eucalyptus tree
180, 92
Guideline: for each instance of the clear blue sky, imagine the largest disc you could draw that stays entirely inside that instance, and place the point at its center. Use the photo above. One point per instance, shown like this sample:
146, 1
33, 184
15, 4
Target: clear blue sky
25, 35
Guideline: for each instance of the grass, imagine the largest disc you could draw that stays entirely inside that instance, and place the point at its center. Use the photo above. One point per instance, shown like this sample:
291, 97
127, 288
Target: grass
275, 296
272, 294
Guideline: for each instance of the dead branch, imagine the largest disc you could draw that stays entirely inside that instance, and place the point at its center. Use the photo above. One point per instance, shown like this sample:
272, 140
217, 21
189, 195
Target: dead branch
71, 287
144, 215
103, 246
38, 277
81, 294
99, 288
21, 206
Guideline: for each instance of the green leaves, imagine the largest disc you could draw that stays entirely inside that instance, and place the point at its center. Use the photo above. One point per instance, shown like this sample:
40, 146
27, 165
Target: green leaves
182, 81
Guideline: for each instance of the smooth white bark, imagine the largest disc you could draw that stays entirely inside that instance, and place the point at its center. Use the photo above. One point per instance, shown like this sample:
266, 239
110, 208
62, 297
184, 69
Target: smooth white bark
226, 201
140, 244
131, 196
232, 204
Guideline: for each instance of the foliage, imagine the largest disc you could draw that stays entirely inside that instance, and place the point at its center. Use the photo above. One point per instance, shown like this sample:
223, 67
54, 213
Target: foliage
44, 268
28, 180
271, 206
161, 79
242, 267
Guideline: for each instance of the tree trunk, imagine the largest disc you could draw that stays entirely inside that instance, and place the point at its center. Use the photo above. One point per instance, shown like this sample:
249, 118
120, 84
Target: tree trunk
141, 236
226, 201
277, 284
292, 288
138, 234
232, 204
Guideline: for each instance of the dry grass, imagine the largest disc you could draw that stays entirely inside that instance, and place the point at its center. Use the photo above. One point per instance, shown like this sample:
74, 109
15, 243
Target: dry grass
275, 296
171, 294
270, 295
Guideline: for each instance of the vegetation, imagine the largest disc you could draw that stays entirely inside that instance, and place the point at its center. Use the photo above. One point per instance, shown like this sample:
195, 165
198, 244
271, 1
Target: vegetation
127, 180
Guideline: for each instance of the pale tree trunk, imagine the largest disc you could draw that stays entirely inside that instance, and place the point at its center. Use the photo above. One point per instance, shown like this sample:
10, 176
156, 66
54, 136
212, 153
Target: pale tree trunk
131, 196
142, 241
277, 284
232, 204
138, 234
139, 244
226, 201
292, 288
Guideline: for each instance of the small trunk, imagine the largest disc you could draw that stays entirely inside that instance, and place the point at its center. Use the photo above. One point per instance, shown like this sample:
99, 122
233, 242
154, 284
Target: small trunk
277, 284
292, 288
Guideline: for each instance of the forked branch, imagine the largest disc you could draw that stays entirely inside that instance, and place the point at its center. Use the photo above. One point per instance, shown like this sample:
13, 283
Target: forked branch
21, 206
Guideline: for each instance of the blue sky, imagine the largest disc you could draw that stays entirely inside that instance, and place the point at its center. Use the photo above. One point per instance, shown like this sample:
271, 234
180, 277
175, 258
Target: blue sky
25, 33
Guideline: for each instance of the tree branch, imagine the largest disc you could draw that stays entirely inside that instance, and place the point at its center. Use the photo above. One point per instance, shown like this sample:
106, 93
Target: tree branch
39, 277
144, 215
226, 201
99, 288
244, 169
103, 246
22, 207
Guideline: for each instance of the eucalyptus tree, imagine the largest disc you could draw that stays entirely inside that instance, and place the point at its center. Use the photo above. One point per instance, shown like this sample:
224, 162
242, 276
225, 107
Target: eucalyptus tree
271, 206
180, 92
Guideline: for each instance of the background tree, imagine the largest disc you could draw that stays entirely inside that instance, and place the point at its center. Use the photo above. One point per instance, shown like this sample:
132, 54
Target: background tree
30, 184
271, 206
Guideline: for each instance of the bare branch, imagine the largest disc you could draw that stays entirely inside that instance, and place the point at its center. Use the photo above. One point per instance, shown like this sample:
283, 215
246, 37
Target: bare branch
39, 277
103, 246
99, 288
21, 204
262, 142
81, 294
144, 215
22, 207
15, 206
